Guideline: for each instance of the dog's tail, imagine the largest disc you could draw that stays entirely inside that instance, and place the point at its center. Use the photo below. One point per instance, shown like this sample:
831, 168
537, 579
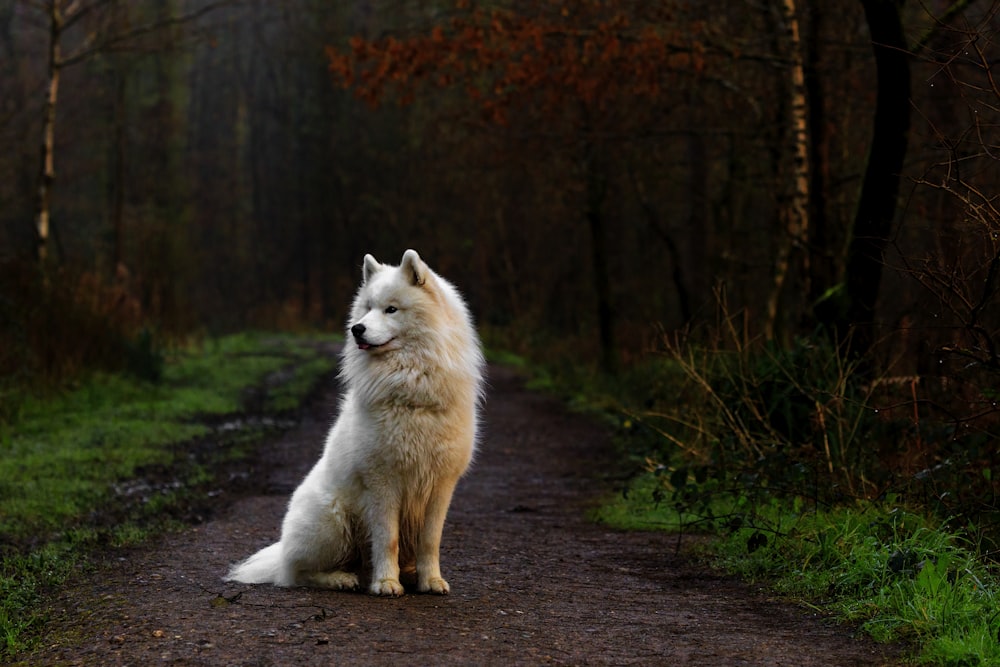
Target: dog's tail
264, 567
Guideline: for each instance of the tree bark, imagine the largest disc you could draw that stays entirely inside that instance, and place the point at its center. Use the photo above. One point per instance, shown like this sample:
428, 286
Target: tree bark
879, 191
823, 246
47, 172
673, 251
596, 191
118, 173
795, 214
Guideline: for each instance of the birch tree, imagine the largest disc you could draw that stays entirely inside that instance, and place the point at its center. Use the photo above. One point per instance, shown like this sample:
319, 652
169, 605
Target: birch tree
60, 17
795, 212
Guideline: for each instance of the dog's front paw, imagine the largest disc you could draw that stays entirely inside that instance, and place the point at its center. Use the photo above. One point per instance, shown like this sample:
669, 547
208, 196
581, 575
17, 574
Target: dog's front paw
386, 587
435, 585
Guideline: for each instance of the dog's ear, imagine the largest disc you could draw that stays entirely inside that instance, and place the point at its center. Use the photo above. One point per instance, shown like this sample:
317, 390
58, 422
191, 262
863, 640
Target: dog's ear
414, 268
369, 267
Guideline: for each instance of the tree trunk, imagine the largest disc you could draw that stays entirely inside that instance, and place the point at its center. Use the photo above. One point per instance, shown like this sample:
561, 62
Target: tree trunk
118, 173
596, 191
701, 245
795, 214
47, 172
880, 188
673, 251
823, 244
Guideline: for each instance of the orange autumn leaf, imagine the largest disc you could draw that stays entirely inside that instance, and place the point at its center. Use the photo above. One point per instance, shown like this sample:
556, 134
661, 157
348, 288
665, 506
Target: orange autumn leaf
504, 60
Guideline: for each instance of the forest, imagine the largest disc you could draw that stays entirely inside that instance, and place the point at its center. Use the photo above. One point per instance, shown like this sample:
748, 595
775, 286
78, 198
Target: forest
601, 178
756, 240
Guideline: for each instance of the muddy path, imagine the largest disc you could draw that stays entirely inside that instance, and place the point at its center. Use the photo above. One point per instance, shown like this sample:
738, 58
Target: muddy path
533, 582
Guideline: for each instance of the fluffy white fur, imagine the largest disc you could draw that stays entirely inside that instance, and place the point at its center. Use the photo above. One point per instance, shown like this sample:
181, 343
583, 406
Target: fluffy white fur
377, 498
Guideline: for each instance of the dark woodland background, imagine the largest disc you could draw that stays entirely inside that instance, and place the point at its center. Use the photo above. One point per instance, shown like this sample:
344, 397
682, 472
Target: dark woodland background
212, 173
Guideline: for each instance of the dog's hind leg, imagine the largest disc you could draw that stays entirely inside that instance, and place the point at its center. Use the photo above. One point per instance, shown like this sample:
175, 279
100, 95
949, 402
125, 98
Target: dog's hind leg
408, 573
337, 580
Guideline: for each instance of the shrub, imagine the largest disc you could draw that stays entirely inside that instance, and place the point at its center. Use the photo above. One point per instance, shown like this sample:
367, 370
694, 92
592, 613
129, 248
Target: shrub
56, 326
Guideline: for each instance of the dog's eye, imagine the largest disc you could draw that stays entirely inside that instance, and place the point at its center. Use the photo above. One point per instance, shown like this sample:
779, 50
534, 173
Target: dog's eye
390, 310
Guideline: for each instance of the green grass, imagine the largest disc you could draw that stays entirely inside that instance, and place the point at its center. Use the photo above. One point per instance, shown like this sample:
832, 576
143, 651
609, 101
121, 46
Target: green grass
68, 456
900, 575
646, 504
773, 455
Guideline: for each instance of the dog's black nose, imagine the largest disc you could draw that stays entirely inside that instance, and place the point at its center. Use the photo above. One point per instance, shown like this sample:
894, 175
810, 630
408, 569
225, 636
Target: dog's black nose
358, 330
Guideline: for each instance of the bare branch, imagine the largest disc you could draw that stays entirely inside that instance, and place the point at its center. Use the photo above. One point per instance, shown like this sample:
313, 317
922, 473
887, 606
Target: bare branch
73, 14
128, 35
940, 23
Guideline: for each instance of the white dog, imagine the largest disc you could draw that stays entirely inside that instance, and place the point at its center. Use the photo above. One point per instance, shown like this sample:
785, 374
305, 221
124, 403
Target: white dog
378, 496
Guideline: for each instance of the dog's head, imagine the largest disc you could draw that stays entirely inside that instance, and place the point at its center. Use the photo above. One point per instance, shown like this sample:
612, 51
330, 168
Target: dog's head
393, 303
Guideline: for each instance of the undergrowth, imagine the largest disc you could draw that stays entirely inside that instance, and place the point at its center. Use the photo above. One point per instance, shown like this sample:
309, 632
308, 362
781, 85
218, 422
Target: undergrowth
115, 457
872, 498
899, 574
59, 323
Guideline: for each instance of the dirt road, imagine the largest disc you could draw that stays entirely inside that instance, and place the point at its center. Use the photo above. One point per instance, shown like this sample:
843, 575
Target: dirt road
532, 581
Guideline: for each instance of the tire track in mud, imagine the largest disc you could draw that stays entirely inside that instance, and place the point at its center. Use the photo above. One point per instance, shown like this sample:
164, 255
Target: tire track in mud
532, 581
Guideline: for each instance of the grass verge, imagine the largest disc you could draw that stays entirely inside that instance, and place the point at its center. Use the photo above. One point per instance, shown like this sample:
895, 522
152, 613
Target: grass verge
901, 575
112, 459
839, 491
